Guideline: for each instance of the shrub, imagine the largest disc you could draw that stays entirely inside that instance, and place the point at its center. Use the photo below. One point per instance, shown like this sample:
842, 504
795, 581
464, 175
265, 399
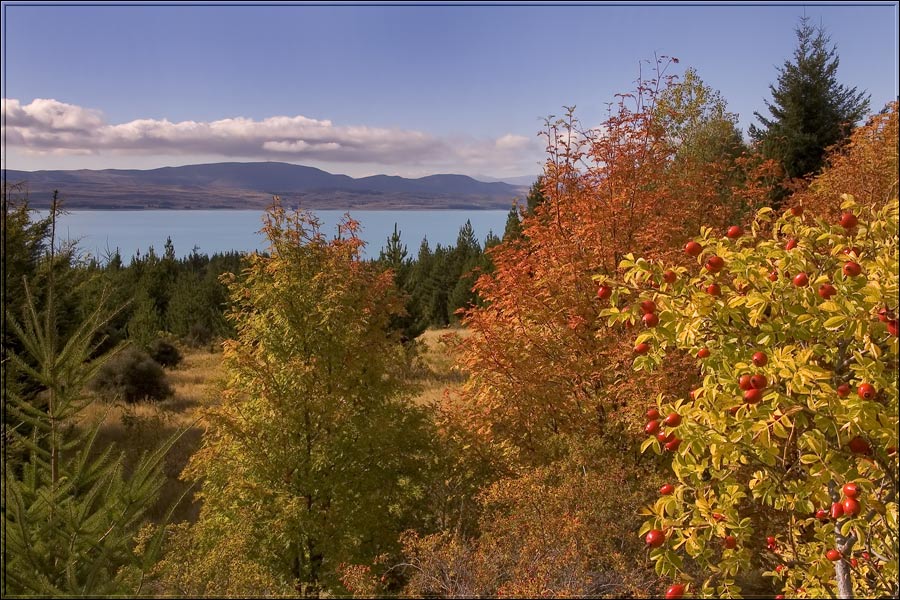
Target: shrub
793, 470
165, 353
132, 375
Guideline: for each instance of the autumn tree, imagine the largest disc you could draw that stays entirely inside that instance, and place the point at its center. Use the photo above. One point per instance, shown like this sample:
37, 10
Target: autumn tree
313, 458
548, 379
809, 111
607, 191
866, 167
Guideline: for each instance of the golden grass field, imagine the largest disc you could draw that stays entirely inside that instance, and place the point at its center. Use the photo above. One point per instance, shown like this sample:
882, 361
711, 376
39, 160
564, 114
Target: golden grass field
143, 426
197, 381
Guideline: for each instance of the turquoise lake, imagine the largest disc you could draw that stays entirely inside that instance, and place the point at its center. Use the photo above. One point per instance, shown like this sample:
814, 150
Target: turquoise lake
100, 233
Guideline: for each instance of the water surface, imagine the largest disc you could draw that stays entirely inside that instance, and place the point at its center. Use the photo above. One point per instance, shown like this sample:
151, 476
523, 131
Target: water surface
100, 233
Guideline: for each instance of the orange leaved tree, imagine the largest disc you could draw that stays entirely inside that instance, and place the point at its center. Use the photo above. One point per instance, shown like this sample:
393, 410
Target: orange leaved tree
552, 399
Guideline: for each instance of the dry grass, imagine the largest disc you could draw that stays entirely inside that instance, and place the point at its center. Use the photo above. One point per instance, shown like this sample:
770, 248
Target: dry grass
144, 426
435, 371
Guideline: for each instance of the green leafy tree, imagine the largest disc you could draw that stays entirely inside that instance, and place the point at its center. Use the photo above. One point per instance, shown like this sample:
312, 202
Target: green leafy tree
313, 458
810, 111
785, 457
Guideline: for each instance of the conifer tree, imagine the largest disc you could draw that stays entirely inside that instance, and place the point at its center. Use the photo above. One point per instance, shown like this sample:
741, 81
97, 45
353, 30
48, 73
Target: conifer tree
70, 515
513, 229
394, 256
810, 110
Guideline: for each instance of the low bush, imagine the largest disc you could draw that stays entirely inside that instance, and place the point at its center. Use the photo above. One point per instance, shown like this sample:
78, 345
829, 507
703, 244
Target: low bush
132, 375
165, 353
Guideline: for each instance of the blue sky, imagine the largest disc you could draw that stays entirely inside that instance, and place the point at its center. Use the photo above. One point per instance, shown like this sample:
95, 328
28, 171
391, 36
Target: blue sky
407, 90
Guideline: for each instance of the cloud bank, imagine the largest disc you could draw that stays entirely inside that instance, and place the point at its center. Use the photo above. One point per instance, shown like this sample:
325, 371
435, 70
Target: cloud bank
51, 127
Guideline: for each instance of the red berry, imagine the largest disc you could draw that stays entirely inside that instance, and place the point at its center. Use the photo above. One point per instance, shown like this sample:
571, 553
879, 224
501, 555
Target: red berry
651, 427
853, 251
852, 269
779, 568
713, 289
779, 597
642, 348
693, 248
604, 292
714, 264
866, 391
822, 514
771, 541
759, 381
703, 353
744, 382
733, 410
864, 556
718, 517
730, 542
773, 276
675, 591
826, 291
893, 327
669, 276
859, 446
837, 510
848, 220
851, 490
791, 244
665, 438
843, 390
648, 306
753, 395
885, 315
672, 446
833, 555
672, 420
655, 538
652, 414
734, 232
851, 507
801, 279
760, 359
797, 211
854, 563
666, 489
650, 320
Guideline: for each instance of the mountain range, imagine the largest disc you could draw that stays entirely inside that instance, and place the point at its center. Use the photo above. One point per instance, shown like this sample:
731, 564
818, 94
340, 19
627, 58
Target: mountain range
252, 186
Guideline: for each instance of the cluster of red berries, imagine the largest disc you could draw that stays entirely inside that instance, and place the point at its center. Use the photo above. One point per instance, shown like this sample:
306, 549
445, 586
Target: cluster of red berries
653, 427
650, 318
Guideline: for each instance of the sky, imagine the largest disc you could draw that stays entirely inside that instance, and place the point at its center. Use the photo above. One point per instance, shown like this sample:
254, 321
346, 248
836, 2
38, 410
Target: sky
404, 90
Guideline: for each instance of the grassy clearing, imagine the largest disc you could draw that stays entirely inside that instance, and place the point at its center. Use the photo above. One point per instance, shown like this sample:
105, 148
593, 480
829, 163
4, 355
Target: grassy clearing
434, 370
142, 427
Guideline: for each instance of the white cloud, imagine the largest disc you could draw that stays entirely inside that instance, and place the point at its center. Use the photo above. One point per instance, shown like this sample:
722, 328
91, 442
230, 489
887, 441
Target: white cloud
511, 142
49, 127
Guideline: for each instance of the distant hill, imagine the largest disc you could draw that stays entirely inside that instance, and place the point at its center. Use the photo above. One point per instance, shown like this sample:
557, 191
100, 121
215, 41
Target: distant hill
252, 185
520, 181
